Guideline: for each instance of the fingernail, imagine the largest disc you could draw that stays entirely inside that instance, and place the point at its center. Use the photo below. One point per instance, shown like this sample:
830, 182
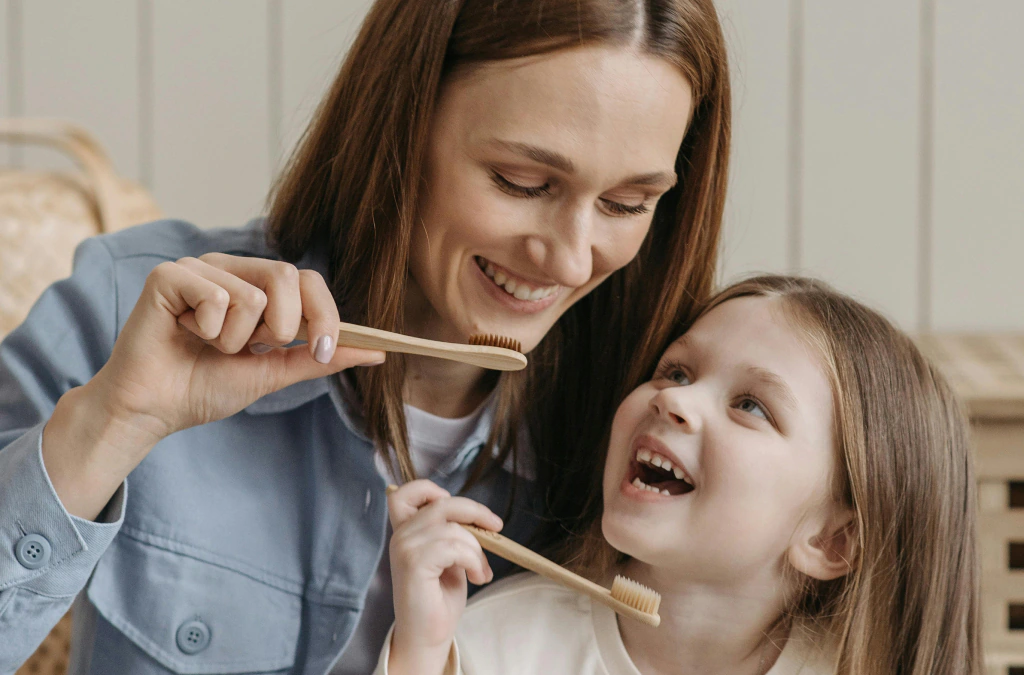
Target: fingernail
324, 349
259, 348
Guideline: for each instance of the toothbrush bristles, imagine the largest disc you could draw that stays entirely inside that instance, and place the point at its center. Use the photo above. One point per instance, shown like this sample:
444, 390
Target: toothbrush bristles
499, 341
637, 596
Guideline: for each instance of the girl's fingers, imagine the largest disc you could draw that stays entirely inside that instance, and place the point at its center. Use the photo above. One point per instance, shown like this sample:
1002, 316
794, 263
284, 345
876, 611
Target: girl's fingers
404, 503
459, 510
431, 552
196, 303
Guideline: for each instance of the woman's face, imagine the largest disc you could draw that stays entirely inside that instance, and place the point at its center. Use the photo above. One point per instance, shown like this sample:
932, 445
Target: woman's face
542, 178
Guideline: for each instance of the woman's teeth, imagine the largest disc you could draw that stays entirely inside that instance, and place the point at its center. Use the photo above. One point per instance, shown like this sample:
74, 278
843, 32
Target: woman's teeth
520, 290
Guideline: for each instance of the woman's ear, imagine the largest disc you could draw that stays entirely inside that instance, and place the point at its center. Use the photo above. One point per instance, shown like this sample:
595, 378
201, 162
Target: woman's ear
829, 551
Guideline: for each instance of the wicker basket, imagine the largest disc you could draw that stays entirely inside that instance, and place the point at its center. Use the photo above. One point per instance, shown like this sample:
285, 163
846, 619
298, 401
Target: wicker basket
43, 216
988, 374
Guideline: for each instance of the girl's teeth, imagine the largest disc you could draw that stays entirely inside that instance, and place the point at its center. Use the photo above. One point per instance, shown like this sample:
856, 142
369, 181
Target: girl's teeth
644, 455
538, 294
665, 492
656, 461
490, 270
522, 293
678, 473
500, 278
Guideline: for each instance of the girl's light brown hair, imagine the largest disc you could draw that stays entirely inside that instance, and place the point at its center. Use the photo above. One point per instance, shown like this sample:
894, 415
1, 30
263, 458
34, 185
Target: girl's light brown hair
352, 187
910, 604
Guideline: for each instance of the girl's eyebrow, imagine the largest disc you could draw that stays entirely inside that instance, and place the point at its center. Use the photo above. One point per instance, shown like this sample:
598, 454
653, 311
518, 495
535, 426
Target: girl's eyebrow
657, 179
775, 385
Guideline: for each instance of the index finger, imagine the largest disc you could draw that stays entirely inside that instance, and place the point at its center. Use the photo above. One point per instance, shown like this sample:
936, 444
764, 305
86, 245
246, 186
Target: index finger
405, 501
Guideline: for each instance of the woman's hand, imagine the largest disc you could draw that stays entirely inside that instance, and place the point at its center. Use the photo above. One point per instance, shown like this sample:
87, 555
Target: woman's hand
197, 347
431, 557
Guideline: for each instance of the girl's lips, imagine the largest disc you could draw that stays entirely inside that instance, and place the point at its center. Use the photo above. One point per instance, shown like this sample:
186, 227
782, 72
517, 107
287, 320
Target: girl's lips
511, 302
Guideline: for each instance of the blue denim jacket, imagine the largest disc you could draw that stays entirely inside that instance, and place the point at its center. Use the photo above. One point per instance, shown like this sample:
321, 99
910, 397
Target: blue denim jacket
242, 546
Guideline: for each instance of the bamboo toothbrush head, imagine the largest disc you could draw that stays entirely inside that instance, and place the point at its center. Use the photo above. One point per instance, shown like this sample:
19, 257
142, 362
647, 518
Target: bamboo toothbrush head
637, 596
499, 341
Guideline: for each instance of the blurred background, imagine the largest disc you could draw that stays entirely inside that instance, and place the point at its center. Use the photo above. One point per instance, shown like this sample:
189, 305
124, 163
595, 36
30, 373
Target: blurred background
878, 143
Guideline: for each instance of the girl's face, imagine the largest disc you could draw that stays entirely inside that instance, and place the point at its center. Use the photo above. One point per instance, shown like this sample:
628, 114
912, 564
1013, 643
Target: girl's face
541, 180
722, 462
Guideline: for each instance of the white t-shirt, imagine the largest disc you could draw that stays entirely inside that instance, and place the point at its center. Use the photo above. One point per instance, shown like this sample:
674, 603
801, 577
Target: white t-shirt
525, 624
432, 440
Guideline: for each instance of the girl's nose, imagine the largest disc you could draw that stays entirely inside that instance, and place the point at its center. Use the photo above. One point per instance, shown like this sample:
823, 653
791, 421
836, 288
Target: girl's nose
671, 405
564, 249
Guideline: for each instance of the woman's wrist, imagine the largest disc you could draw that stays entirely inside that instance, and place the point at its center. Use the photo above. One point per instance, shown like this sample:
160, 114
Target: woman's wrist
88, 450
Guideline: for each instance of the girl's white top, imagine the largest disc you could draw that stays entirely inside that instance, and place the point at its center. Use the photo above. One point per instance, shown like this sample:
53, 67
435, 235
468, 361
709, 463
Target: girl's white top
526, 624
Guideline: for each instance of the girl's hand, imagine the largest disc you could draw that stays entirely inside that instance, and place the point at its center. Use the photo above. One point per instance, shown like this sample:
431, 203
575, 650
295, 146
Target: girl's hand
199, 346
431, 557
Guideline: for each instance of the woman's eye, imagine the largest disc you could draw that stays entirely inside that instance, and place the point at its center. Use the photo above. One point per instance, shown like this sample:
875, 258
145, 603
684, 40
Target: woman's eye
619, 209
749, 405
517, 190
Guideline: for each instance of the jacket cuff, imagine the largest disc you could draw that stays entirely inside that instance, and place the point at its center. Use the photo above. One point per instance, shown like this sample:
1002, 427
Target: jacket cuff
453, 667
42, 546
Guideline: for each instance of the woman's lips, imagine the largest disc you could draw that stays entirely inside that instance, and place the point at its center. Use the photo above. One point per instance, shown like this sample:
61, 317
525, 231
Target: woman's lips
499, 293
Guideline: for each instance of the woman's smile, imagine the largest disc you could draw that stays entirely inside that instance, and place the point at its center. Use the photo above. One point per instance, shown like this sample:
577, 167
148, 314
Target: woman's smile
513, 291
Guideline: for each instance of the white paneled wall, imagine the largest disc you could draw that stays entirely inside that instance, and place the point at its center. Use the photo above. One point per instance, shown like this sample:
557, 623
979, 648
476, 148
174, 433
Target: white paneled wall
877, 144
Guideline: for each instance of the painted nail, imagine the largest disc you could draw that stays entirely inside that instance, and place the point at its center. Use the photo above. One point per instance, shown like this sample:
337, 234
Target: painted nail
324, 349
259, 348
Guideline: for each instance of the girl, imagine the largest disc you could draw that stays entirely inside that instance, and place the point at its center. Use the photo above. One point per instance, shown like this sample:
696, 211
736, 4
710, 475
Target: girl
537, 169
794, 480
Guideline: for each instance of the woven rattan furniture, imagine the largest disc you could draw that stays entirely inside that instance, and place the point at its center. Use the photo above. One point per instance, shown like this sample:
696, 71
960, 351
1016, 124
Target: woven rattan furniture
43, 217
988, 374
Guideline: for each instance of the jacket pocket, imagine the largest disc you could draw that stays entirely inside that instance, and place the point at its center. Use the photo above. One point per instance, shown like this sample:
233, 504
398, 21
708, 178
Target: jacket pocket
192, 616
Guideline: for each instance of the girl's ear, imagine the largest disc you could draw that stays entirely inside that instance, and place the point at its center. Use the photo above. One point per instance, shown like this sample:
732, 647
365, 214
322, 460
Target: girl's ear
827, 552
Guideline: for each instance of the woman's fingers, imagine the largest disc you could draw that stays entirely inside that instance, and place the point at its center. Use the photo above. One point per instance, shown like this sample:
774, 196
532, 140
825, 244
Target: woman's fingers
321, 312
245, 307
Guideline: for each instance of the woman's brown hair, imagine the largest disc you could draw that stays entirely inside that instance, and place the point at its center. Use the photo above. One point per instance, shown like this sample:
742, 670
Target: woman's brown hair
352, 187
910, 603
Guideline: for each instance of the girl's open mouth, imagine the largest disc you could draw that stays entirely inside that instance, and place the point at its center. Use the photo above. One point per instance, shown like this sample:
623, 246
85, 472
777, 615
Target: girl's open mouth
652, 472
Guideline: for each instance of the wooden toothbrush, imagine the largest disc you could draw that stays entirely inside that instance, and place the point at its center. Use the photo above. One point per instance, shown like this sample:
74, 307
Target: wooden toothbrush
626, 596
493, 352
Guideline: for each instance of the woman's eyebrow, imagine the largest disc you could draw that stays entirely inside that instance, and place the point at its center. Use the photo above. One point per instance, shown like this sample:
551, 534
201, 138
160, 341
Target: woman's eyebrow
775, 384
659, 179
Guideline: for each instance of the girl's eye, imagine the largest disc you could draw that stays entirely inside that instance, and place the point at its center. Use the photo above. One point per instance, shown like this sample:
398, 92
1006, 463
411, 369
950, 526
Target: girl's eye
673, 373
517, 190
620, 209
749, 405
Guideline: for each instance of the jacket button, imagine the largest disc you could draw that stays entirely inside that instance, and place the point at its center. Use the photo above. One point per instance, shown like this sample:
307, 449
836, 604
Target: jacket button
32, 551
193, 637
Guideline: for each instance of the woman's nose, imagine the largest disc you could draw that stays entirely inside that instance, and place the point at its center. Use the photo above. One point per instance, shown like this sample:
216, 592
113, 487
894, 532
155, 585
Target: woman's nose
670, 405
564, 249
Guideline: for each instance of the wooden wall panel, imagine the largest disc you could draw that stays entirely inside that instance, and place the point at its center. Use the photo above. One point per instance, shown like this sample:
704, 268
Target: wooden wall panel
211, 158
316, 35
756, 218
979, 166
7, 62
80, 62
860, 150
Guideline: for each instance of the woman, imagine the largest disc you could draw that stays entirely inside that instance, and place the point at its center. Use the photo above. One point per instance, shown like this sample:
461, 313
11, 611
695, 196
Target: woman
549, 171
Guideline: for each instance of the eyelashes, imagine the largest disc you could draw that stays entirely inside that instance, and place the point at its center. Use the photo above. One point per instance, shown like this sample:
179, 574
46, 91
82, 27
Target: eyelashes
526, 191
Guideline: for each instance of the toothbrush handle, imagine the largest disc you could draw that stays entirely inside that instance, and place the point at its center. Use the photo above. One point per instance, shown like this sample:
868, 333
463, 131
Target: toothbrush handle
524, 557
364, 337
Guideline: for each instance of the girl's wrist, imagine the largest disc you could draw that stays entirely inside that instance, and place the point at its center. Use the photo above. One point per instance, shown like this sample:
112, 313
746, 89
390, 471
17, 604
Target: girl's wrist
418, 659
